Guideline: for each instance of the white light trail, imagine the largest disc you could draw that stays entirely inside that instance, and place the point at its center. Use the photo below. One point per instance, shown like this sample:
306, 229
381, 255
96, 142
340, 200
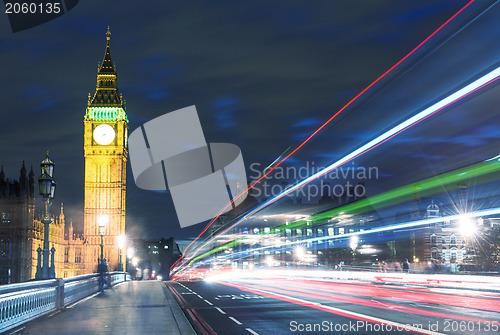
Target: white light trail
484, 80
472, 87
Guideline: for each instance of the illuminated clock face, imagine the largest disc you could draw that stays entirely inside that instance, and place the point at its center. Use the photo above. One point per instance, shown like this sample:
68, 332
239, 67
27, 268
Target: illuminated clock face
104, 134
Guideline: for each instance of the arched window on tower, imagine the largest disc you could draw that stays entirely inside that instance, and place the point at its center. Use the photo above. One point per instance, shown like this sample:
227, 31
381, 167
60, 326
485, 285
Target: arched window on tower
453, 240
433, 239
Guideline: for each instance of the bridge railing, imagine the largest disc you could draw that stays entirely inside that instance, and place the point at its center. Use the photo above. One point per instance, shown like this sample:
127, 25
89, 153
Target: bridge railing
23, 302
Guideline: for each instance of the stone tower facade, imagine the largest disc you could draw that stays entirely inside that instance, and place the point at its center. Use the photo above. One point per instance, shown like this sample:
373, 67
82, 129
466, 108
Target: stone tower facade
105, 146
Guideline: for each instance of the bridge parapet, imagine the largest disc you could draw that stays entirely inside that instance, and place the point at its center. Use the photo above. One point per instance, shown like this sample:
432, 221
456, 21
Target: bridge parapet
23, 302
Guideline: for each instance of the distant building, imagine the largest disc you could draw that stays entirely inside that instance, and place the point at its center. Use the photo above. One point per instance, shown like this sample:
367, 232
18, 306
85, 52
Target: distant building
155, 257
443, 242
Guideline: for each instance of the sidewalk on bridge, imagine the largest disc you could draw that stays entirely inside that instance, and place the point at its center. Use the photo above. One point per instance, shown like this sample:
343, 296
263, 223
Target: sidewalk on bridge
136, 307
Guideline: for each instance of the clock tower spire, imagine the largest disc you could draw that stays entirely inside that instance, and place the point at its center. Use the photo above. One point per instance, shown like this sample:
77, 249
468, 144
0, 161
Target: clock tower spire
105, 146
106, 93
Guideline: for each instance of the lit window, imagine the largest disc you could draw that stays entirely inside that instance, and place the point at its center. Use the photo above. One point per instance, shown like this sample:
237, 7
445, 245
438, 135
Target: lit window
453, 256
453, 239
78, 255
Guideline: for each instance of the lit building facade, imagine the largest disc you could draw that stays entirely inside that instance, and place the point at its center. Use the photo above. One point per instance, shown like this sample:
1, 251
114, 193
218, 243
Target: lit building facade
22, 231
105, 145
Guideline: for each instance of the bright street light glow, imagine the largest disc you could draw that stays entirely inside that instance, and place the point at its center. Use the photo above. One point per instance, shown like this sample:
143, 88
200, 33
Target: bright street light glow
467, 226
102, 221
354, 242
300, 252
120, 240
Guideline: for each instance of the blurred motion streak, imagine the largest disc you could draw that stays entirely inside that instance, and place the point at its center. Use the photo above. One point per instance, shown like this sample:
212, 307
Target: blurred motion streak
476, 85
480, 172
329, 120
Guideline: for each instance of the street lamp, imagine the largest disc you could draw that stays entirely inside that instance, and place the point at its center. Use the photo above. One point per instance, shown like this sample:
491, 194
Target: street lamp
102, 221
354, 244
467, 229
47, 186
130, 253
120, 239
467, 226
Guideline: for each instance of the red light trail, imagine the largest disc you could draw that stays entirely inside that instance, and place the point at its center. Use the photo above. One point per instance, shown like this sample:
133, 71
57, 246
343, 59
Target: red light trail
326, 123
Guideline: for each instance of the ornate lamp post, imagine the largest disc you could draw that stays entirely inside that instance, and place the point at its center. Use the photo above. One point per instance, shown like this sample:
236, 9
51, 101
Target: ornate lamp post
121, 244
102, 221
47, 187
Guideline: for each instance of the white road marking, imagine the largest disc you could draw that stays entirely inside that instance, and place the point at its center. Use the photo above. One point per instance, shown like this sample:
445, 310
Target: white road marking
236, 321
208, 302
18, 330
251, 331
344, 311
199, 296
220, 310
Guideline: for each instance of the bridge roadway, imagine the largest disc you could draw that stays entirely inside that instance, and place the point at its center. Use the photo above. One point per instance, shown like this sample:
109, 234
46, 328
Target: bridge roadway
134, 307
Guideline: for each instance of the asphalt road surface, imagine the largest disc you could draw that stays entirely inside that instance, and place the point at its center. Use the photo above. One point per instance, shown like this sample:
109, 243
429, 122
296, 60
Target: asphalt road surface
281, 306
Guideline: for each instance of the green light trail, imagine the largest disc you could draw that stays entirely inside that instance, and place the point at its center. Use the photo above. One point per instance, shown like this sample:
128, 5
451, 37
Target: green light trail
446, 182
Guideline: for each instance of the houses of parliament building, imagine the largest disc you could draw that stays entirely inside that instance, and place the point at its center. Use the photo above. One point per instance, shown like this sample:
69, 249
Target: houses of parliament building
105, 149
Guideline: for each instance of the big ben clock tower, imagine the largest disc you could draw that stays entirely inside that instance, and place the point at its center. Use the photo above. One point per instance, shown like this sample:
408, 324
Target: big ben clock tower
105, 145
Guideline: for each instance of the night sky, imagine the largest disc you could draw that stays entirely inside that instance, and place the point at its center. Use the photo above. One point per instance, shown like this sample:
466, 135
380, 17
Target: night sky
263, 75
